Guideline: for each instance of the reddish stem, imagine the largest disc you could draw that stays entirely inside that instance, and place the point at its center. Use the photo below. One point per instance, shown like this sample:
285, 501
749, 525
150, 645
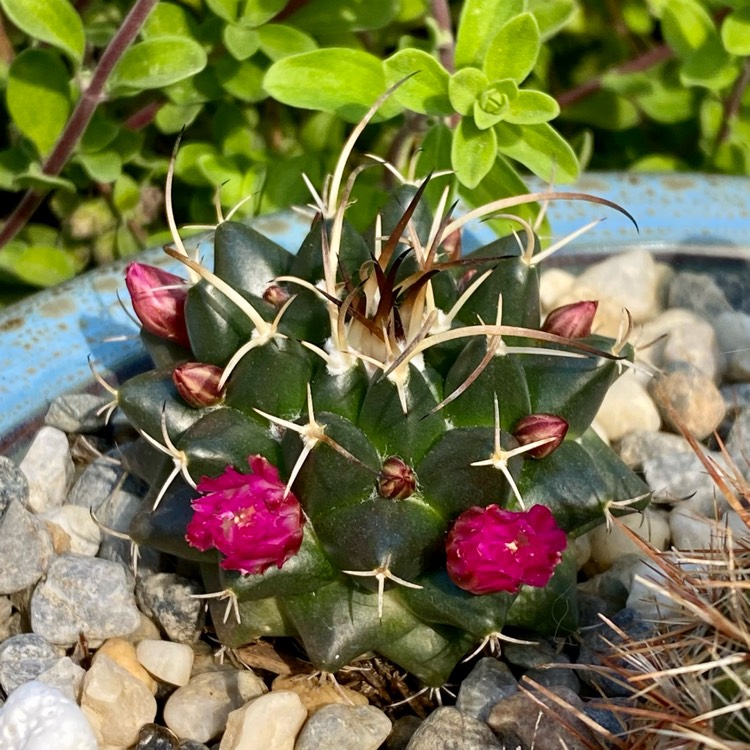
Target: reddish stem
642, 62
442, 15
733, 103
82, 114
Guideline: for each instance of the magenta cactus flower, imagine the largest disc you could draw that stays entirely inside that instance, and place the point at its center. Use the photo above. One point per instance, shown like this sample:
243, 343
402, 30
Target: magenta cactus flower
491, 550
573, 321
158, 299
198, 383
248, 518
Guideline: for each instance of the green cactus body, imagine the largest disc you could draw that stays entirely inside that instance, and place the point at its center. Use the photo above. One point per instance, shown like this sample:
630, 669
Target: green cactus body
388, 413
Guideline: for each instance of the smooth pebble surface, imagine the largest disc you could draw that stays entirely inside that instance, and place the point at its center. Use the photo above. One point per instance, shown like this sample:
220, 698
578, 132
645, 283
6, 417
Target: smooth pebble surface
96, 657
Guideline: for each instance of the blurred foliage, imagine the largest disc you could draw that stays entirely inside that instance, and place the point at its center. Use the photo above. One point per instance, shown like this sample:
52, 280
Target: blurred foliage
265, 91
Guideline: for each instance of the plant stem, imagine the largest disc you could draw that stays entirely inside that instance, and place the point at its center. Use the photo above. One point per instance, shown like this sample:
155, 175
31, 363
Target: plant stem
732, 104
642, 62
79, 120
446, 43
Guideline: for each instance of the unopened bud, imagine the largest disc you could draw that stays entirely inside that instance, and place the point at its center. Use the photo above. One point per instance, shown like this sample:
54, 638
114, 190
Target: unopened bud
572, 321
537, 427
198, 383
396, 480
158, 299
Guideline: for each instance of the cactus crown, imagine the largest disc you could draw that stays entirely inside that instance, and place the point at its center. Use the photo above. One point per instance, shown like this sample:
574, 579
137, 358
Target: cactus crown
373, 444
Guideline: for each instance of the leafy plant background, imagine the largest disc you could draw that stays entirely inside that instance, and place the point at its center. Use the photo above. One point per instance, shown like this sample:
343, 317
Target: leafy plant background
95, 94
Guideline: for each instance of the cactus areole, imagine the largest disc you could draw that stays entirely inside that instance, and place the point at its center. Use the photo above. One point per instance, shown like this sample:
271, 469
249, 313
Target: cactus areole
351, 478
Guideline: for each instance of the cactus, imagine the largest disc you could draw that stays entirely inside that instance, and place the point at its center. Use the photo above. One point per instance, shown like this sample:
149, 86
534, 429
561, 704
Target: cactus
373, 445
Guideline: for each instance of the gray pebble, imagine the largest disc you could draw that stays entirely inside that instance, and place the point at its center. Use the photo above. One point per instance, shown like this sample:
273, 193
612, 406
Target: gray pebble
640, 445
154, 737
612, 721
84, 595
23, 658
25, 549
402, 731
13, 484
682, 476
95, 484
192, 745
530, 655
733, 334
488, 682
77, 412
736, 396
554, 677
337, 726
166, 598
697, 292
66, 676
447, 728
519, 721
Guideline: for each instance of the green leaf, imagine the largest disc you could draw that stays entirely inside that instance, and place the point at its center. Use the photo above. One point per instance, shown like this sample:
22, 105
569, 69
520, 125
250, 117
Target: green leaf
464, 87
100, 132
38, 96
551, 15
735, 32
157, 62
172, 118
102, 166
125, 194
225, 9
344, 81
321, 17
513, 51
240, 41
38, 265
426, 91
243, 80
186, 164
540, 148
473, 152
604, 109
690, 31
479, 19
278, 40
168, 19
33, 177
257, 12
493, 103
13, 161
531, 107
52, 21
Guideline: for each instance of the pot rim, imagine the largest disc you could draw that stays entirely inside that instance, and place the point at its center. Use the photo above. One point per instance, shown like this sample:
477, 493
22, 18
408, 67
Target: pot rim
46, 339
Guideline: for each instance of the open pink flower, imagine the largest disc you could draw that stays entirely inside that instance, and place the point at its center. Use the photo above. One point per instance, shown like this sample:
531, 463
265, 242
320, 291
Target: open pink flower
247, 518
158, 299
491, 550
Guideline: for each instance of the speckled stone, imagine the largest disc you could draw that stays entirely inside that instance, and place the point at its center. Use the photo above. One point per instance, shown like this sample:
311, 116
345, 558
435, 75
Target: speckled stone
154, 737
337, 726
83, 594
447, 728
13, 484
488, 682
167, 598
77, 412
23, 658
697, 292
25, 549
66, 676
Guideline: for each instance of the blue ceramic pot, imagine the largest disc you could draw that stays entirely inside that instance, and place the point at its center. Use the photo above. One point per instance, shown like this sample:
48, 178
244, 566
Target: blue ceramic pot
694, 221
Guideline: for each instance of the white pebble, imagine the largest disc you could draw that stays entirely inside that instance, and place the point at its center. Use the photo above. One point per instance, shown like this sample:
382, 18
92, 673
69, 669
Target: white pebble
270, 722
49, 469
553, 283
166, 661
80, 528
627, 407
39, 717
608, 545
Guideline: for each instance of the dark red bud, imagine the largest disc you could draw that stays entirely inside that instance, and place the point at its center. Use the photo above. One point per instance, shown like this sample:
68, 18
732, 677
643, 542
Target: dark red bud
541, 427
276, 295
396, 480
158, 299
198, 384
572, 321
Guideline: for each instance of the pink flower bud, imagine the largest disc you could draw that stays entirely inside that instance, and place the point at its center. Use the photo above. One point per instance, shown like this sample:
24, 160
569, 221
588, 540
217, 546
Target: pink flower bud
198, 383
396, 480
276, 295
491, 550
158, 299
247, 518
541, 427
572, 321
